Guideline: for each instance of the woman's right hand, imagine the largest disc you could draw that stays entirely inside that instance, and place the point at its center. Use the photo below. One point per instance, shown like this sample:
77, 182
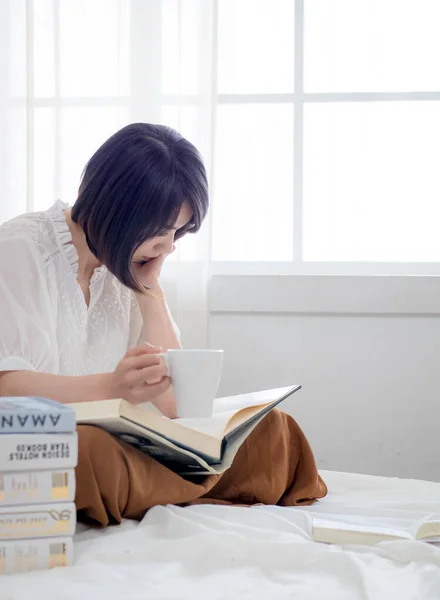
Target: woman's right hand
140, 377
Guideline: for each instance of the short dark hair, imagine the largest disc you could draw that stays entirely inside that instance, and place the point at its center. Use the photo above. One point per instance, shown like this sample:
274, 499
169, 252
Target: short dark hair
132, 189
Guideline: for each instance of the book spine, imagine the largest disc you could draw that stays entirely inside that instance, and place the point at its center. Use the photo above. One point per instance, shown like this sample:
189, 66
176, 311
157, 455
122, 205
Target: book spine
36, 521
38, 451
24, 421
19, 556
37, 487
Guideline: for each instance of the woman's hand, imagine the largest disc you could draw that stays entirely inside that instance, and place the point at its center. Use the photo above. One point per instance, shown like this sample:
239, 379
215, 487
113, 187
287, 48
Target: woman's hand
140, 377
148, 273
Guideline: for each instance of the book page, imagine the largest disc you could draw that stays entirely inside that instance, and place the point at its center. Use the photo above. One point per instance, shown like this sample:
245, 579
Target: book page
216, 426
226, 409
404, 524
157, 446
326, 530
429, 530
119, 414
203, 436
234, 444
379, 528
235, 403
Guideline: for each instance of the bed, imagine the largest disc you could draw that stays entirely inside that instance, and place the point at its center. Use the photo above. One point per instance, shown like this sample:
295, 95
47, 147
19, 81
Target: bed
216, 552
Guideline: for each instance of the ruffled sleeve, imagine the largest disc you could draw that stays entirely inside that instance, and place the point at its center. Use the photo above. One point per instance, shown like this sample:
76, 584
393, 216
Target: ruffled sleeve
27, 322
64, 236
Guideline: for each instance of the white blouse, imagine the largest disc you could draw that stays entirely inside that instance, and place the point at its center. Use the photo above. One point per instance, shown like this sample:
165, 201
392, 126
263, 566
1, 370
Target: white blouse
45, 324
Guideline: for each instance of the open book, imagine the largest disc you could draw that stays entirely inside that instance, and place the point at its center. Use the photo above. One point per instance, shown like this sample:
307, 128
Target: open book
187, 446
340, 524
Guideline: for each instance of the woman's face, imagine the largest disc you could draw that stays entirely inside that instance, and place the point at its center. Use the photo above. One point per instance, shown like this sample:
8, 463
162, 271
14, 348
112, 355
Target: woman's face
163, 244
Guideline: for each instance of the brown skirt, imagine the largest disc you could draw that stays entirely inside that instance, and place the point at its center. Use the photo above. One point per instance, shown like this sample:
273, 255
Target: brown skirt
275, 465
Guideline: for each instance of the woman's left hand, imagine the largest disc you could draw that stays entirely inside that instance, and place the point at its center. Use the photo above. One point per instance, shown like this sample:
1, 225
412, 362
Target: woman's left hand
148, 273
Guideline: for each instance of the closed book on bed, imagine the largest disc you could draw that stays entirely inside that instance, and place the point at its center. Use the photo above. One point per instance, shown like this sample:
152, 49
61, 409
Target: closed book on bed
37, 487
37, 520
19, 556
187, 446
39, 451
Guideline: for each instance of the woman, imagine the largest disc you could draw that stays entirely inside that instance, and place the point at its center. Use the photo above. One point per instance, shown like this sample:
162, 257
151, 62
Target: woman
83, 316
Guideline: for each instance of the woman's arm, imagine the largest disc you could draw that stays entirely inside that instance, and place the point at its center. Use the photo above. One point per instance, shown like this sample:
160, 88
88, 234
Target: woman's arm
158, 326
159, 330
61, 388
140, 377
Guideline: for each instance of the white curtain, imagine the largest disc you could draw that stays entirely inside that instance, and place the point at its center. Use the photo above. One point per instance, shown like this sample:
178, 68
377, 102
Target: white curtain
74, 71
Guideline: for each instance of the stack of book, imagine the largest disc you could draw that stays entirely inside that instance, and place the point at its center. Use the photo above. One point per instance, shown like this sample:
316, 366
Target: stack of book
38, 454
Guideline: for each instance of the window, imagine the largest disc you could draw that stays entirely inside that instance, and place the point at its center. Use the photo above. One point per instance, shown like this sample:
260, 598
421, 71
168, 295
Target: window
326, 137
330, 135
80, 88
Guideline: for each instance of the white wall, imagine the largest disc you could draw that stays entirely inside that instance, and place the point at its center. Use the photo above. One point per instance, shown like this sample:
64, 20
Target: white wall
371, 383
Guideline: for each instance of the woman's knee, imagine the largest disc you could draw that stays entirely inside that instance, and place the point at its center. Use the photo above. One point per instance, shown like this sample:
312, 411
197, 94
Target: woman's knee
94, 444
274, 421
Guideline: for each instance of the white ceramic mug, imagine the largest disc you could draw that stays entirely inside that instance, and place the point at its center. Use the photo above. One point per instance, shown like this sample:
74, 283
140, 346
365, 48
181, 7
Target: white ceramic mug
195, 377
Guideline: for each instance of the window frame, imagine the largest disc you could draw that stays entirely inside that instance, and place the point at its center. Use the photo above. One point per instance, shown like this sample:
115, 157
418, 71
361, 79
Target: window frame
299, 99
149, 13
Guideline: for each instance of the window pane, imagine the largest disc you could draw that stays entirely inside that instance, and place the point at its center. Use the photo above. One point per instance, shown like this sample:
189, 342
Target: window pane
372, 182
13, 168
13, 117
371, 45
193, 122
83, 130
183, 51
44, 48
253, 183
44, 158
94, 51
255, 46
13, 49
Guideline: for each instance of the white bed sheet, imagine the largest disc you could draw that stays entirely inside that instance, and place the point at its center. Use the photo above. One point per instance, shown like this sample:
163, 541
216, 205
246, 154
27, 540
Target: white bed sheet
223, 552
